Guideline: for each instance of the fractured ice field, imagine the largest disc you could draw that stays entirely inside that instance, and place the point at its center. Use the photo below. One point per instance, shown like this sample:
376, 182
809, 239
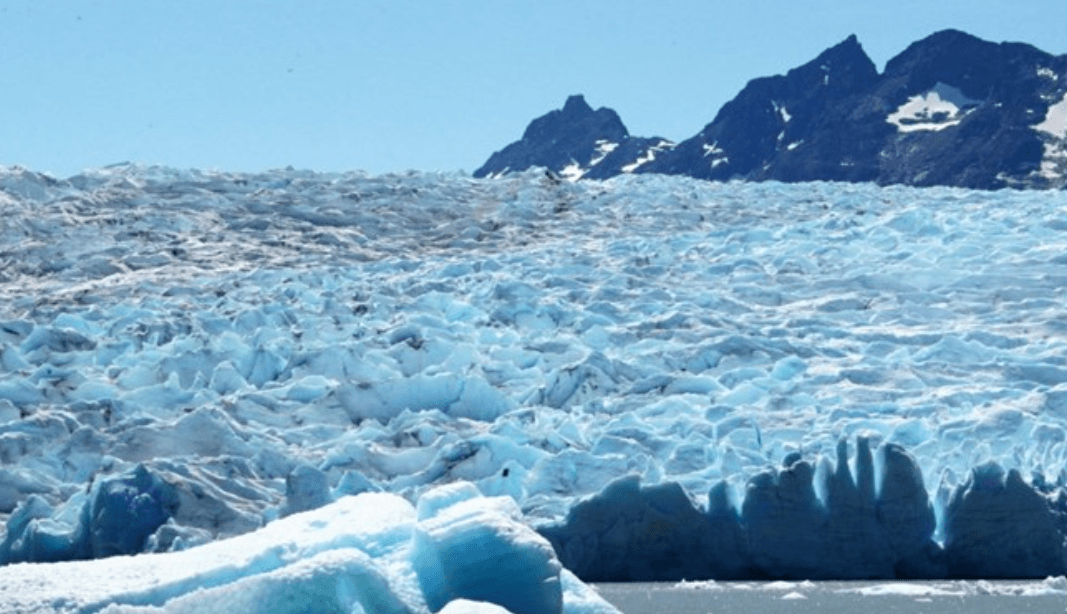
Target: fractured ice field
671, 378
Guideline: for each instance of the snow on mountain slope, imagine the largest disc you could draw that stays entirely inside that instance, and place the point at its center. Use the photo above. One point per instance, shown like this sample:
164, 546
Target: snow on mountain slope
941, 107
1055, 122
225, 349
1053, 132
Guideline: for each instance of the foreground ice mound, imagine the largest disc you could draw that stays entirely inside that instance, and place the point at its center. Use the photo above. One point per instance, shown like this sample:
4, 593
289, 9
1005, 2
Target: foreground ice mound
263, 344
470, 552
374, 552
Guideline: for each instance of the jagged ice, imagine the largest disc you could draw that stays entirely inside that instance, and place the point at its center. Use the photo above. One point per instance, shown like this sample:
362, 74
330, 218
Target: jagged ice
220, 350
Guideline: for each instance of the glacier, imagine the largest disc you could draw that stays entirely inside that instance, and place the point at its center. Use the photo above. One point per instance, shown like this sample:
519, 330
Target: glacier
670, 378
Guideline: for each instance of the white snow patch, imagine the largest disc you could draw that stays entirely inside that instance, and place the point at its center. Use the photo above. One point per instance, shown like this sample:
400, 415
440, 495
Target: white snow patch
1055, 122
941, 107
1053, 133
782, 112
648, 156
1054, 162
603, 148
794, 145
712, 149
572, 172
1047, 73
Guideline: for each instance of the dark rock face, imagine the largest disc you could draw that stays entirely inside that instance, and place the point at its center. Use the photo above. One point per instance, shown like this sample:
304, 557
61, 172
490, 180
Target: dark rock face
1003, 90
951, 109
773, 117
574, 141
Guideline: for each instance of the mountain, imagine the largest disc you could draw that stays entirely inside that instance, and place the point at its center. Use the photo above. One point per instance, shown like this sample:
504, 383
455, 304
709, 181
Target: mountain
577, 142
951, 109
772, 116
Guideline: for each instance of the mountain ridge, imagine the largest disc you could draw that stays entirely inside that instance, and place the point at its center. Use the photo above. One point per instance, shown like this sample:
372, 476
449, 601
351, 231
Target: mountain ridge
950, 109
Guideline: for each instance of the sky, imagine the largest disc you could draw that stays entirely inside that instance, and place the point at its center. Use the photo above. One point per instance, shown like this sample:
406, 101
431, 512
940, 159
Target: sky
393, 85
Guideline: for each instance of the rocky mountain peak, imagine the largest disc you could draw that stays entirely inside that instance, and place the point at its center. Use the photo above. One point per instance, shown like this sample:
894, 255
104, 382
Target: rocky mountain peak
951, 109
576, 105
574, 141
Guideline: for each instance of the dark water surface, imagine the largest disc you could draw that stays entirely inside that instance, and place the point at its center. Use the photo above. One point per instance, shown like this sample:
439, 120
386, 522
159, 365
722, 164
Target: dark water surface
949, 597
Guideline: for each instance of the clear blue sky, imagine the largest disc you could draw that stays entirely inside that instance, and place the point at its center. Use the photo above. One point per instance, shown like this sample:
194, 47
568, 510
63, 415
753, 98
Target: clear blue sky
390, 85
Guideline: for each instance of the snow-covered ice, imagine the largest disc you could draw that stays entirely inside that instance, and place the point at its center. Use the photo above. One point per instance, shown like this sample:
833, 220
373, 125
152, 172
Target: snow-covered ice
458, 552
223, 350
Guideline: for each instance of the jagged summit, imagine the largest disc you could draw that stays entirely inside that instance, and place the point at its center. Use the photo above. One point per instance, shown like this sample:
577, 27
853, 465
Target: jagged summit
844, 66
951, 109
770, 115
576, 112
576, 104
575, 141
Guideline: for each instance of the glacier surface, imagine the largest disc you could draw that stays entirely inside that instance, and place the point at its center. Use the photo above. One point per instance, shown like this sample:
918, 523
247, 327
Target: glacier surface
642, 364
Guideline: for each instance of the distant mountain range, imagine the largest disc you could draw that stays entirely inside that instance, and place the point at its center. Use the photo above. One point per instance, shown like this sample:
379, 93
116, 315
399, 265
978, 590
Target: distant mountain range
951, 110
